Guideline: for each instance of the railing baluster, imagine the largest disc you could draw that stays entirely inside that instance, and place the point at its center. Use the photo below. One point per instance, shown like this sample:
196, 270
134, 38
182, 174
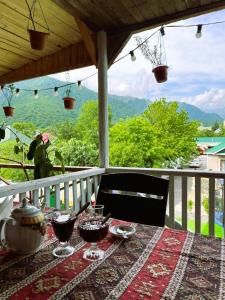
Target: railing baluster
66, 194
197, 204
88, 189
96, 186
22, 196
47, 196
171, 202
36, 198
75, 198
57, 196
82, 191
212, 206
184, 203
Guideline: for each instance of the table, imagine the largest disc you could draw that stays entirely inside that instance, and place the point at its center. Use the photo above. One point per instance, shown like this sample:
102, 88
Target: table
155, 263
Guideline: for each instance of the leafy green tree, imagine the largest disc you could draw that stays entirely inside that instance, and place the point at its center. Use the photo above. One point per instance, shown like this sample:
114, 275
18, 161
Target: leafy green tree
27, 128
205, 204
190, 204
133, 143
172, 129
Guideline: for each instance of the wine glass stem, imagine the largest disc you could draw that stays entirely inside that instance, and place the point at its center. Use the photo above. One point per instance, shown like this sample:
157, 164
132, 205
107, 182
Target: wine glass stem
63, 244
94, 247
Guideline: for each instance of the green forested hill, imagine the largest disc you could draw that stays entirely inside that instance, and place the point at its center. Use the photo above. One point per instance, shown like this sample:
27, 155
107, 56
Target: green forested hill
48, 109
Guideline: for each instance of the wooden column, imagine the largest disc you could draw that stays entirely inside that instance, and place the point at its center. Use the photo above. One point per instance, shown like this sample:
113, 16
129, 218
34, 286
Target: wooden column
102, 99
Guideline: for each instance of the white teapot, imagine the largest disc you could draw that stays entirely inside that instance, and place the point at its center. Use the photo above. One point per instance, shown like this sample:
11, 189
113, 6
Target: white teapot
24, 230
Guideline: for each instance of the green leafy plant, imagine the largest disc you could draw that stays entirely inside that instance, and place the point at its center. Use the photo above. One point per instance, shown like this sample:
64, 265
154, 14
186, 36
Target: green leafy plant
205, 204
190, 204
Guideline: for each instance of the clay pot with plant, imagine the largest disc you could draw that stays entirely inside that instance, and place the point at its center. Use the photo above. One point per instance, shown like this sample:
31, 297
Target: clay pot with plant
8, 93
156, 55
68, 101
37, 38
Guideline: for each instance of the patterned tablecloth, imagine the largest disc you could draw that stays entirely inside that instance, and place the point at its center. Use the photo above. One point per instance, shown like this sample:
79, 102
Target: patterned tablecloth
155, 263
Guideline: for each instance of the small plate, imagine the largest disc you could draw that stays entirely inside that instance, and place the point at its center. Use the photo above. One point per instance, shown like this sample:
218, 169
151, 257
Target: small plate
124, 231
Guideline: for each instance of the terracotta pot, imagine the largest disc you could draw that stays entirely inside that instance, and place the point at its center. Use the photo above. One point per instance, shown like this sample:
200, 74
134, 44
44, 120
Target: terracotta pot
37, 39
161, 73
8, 110
68, 102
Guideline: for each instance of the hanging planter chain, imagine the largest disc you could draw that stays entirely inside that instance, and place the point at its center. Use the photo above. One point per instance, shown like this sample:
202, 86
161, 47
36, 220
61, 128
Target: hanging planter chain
32, 12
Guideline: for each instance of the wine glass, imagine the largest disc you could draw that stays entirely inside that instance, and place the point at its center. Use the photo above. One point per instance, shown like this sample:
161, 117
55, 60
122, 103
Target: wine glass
92, 231
63, 224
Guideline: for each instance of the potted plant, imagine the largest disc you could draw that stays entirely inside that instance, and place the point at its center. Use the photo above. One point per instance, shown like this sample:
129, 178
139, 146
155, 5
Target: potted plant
37, 38
157, 56
68, 101
8, 92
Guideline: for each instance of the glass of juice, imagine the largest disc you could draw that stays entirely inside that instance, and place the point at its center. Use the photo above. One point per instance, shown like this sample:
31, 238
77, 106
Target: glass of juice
63, 224
92, 230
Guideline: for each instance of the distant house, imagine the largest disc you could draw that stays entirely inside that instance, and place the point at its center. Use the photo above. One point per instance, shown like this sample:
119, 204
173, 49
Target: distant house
215, 152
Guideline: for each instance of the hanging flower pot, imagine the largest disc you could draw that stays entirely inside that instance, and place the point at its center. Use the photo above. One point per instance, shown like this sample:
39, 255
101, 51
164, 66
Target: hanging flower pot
156, 55
161, 73
69, 102
8, 92
37, 39
8, 110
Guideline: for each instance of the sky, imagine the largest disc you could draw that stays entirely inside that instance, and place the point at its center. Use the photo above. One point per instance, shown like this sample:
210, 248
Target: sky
196, 67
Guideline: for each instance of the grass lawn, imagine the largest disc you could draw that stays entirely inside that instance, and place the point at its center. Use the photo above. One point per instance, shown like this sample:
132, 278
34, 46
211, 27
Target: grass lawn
204, 228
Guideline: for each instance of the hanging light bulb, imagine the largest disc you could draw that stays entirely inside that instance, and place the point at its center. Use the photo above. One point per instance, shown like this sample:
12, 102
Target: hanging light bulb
56, 93
36, 96
132, 56
79, 86
199, 31
162, 31
17, 92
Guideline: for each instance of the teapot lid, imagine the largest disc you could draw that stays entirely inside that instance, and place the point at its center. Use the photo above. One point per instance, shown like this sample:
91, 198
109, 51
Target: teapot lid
27, 214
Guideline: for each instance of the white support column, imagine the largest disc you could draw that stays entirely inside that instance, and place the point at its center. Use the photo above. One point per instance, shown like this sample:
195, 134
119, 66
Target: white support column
102, 99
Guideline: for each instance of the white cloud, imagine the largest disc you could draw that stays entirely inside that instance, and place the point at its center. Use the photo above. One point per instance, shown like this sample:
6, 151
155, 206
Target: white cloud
211, 100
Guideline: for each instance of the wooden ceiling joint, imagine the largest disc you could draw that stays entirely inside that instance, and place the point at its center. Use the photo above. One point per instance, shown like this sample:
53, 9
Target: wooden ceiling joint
89, 39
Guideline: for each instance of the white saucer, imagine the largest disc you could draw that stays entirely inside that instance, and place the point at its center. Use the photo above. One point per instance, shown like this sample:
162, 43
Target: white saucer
123, 231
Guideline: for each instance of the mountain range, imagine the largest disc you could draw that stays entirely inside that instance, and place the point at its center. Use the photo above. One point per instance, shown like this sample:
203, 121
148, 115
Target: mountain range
48, 110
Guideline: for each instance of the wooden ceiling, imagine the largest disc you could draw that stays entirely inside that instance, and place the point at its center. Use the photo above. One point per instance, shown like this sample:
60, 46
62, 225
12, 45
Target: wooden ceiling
73, 27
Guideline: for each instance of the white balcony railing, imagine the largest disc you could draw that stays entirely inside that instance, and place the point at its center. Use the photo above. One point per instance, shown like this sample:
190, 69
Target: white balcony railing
74, 189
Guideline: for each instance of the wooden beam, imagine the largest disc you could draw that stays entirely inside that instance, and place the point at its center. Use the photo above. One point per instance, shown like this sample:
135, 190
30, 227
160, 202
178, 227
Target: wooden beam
71, 57
116, 44
189, 12
89, 40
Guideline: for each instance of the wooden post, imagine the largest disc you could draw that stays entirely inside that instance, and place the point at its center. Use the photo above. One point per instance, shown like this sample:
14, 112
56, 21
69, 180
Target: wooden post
102, 99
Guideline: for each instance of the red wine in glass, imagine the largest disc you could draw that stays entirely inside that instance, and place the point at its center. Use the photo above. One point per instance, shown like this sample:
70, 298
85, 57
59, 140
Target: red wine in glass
63, 224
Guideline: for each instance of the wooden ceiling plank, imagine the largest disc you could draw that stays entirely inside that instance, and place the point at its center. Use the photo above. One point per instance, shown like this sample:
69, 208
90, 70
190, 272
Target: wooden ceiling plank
18, 21
133, 10
88, 39
71, 8
72, 57
190, 12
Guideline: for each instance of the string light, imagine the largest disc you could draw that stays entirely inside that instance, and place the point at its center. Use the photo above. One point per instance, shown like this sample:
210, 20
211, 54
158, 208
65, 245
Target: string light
56, 93
199, 31
162, 31
131, 53
79, 86
17, 92
132, 56
36, 96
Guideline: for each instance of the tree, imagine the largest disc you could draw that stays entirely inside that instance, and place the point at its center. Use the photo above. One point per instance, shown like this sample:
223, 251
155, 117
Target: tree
133, 144
205, 204
190, 204
172, 129
27, 128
